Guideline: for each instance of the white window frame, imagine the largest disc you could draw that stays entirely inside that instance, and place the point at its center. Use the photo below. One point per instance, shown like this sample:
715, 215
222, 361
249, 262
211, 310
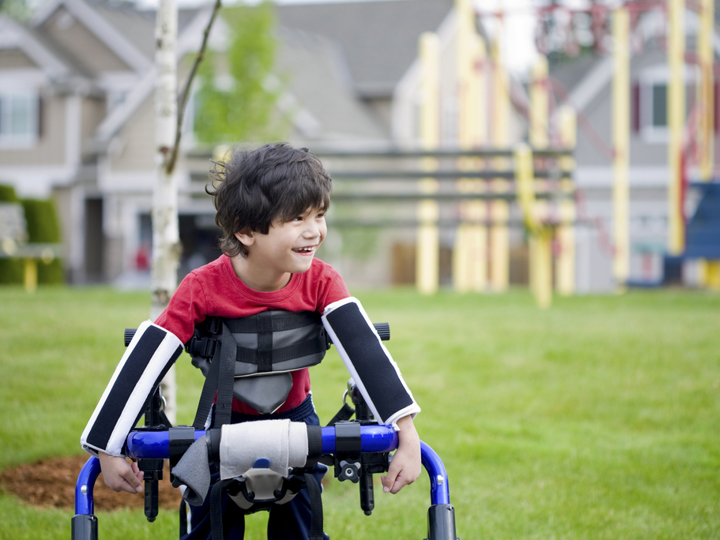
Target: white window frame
18, 84
648, 78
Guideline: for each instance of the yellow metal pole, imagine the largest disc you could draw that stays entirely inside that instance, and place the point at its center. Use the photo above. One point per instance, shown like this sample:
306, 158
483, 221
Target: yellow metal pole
565, 266
543, 267
713, 276
428, 237
478, 136
709, 273
540, 236
499, 209
461, 251
469, 255
621, 146
676, 121
540, 275
31, 275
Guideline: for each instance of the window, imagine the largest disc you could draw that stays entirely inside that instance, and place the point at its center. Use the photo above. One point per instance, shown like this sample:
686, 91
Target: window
659, 105
650, 109
18, 118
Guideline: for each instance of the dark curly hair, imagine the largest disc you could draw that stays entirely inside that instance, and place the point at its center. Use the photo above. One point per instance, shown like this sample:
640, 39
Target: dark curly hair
255, 187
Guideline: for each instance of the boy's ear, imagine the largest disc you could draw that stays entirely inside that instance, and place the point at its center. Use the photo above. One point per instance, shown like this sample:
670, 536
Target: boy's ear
245, 237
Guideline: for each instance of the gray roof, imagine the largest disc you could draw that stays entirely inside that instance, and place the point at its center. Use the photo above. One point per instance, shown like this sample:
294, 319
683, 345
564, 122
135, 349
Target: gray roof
379, 39
316, 74
137, 26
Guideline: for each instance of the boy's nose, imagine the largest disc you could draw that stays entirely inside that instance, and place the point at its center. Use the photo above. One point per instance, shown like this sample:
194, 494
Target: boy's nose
312, 230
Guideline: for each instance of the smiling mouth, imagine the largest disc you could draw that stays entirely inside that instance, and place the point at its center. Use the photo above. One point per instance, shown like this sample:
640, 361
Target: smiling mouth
305, 250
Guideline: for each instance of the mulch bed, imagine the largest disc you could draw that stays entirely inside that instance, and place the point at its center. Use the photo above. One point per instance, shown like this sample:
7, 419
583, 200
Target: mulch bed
51, 483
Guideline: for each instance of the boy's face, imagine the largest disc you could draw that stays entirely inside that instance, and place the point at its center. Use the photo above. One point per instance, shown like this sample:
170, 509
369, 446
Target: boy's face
289, 246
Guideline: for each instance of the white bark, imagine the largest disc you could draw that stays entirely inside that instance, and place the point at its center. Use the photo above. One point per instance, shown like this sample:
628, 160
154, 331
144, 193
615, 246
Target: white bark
166, 237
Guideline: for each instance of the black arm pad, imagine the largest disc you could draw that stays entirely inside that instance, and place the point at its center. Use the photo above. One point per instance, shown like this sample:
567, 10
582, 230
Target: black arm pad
368, 361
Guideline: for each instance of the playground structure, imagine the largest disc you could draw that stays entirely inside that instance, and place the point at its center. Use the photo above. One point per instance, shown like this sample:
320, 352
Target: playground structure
484, 97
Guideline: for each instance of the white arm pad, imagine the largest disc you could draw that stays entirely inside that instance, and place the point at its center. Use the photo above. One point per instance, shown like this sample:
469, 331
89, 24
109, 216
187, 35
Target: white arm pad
368, 361
146, 361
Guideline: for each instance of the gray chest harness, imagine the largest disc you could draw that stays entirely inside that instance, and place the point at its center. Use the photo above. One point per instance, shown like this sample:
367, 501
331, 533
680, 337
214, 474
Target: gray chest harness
265, 347
252, 359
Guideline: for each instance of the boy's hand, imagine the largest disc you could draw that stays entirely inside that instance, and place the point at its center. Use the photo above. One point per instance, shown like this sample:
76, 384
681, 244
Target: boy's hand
119, 474
405, 465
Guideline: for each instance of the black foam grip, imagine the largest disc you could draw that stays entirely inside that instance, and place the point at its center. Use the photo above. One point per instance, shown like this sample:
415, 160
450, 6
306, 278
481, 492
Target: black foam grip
314, 434
376, 371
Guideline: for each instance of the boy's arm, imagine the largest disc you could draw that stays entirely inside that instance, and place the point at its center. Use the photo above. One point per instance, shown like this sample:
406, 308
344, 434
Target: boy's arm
369, 362
406, 464
146, 361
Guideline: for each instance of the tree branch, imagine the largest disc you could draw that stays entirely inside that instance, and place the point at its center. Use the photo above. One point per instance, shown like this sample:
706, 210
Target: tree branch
170, 164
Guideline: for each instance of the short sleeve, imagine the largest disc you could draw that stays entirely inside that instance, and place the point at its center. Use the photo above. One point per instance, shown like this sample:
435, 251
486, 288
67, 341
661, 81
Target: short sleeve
337, 290
187, 307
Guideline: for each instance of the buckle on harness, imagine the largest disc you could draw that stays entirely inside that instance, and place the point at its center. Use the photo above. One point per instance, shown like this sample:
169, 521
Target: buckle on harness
201, 346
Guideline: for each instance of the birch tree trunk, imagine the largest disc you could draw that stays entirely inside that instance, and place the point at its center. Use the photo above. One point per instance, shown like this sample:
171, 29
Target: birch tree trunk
166, 237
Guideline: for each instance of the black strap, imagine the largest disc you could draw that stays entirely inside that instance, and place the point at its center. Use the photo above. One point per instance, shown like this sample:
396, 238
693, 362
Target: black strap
316, 509
280, 323
344, 414
264, 356
216, 518
225, 378
221, 378
264, 353
206, 396
183, 518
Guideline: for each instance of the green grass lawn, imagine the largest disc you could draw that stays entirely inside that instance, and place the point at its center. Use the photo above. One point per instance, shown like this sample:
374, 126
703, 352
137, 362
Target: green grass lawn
598, 418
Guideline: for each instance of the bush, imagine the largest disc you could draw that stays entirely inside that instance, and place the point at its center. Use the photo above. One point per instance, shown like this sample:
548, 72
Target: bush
43, 228
11, 270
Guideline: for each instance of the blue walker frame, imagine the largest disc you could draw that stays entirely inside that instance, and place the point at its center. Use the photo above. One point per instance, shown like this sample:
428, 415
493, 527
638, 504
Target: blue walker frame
373, 439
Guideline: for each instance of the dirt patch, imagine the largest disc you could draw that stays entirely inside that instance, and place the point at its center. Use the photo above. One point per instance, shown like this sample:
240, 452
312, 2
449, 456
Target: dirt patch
51, 483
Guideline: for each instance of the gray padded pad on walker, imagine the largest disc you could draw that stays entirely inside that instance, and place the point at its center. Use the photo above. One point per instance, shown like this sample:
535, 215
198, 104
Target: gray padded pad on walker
264, 393
194, 472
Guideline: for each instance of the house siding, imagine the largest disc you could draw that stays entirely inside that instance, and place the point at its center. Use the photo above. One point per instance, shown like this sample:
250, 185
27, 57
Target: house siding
138, 142
50, 147
93, 112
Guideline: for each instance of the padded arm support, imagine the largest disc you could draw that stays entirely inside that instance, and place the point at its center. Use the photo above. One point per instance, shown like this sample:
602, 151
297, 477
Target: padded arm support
368, 361
146, 361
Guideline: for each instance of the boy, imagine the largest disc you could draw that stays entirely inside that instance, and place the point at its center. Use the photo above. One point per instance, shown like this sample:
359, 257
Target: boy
270, 206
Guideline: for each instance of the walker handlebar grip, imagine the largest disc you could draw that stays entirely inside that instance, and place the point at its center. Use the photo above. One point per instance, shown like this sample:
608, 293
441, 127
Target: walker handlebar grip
383, 330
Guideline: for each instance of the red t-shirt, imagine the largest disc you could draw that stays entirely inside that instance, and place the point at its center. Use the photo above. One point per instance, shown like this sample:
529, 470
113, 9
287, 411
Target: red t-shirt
215, 291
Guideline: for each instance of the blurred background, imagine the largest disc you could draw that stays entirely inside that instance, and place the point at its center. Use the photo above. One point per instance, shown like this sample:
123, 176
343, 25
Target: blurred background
386, 93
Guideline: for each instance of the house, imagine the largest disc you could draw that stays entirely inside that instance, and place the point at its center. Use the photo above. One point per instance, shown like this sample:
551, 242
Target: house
76, 102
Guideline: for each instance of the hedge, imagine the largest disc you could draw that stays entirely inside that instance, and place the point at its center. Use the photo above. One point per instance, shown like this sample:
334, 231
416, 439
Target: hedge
11, 270
42, 227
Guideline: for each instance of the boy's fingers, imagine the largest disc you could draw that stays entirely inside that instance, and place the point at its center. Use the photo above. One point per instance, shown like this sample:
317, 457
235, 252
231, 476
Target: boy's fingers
389, 480
133, 481
138, 473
